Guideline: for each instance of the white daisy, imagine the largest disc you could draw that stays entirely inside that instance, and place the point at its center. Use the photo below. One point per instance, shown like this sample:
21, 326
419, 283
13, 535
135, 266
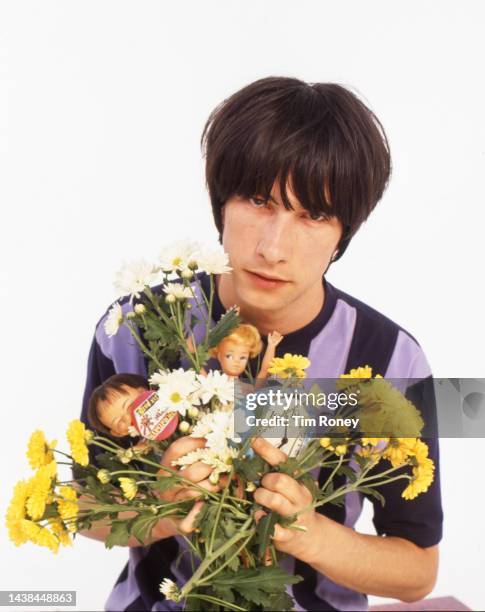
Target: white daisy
176, 389
113, 320
217, 428
132, 278
214, 261
169, 589
216, 384
221, 460
177, 256
178, 291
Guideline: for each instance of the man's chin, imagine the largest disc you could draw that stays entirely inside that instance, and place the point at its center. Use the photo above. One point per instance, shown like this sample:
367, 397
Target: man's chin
257, 299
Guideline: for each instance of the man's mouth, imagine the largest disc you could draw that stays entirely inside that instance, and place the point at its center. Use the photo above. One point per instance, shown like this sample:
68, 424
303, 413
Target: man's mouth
266, 281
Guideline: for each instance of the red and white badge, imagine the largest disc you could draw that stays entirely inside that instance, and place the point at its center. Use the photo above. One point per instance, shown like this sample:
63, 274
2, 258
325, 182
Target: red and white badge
150, 419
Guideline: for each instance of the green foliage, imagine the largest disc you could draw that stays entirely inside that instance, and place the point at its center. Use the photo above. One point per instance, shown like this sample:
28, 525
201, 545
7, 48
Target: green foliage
229, 321
266, 527
251, 469
119, 534
263, 586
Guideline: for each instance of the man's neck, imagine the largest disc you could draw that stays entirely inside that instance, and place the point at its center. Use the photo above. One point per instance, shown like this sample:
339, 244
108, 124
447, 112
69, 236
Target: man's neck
288, 319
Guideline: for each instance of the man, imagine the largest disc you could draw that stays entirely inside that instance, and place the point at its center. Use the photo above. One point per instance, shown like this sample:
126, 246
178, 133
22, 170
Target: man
293, 170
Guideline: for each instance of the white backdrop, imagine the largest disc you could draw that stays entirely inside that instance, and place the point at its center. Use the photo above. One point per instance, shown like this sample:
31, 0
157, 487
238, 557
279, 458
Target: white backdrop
101, 109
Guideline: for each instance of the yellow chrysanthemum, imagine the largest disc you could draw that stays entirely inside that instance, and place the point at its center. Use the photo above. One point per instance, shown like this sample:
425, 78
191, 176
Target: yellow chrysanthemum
371, 453
77, 436
129, 487
399, 450
340, 449
360, 372
39, 452
423, 475
40, 535
326, 443
67, 506
16, 513
40, 489
289, 366
59, 530
103, 476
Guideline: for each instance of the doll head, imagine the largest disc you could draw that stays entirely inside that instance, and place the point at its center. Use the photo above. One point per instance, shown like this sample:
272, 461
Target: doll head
108, 409
234, 351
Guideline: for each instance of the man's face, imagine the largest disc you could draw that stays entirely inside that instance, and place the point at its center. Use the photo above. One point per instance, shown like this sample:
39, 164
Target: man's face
278, 256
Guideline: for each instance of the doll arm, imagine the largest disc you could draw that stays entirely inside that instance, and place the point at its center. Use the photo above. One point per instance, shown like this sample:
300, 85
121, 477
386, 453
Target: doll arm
274, 338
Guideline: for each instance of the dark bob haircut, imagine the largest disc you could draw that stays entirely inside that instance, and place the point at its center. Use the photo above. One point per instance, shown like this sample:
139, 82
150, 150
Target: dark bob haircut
113, 384
318, 138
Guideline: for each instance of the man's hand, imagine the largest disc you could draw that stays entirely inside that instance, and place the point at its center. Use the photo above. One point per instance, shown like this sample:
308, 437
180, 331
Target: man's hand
286, 496
198, 473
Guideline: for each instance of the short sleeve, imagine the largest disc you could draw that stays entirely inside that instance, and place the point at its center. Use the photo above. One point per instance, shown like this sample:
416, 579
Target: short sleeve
419, 520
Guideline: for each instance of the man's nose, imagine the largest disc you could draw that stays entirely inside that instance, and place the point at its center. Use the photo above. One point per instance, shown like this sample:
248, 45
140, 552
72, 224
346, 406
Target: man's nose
276, 240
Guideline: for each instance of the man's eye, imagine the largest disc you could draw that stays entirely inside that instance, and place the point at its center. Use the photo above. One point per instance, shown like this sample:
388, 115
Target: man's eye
258, 202
315, 217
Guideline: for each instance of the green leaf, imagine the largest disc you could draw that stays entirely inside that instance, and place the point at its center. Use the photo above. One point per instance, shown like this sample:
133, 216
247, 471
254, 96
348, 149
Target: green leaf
223, 327
348, 472
251, 469
373, 493
142, 527
119, 534
259, 586
264, 532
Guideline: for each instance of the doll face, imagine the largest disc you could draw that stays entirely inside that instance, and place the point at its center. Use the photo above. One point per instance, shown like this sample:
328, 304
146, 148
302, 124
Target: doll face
233, 357
114, 412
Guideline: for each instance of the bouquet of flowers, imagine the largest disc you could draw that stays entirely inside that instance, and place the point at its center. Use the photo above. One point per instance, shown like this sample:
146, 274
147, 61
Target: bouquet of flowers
235, 563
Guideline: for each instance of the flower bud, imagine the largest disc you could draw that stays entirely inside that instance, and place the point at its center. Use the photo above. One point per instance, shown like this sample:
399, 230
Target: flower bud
170, 299
192, 265
140, 309
187, 274
214, 478
250, 487
184, 426
130, 315
103, 476
193, 412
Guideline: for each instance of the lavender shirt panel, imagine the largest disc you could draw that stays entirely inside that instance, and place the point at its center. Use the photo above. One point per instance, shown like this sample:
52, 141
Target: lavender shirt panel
121, 348
330, 348
408, 361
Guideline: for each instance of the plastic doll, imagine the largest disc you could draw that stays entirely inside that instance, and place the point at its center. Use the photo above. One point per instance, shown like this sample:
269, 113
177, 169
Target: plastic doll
244, 342
124, 405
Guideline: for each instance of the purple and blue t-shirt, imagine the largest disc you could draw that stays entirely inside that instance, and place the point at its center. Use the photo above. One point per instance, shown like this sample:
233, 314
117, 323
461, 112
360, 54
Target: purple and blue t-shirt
345, 334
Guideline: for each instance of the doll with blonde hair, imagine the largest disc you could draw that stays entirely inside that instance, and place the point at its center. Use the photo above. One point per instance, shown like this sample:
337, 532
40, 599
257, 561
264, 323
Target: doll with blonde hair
243, 343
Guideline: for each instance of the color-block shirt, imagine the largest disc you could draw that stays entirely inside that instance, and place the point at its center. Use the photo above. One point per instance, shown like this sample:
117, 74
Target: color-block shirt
345, 334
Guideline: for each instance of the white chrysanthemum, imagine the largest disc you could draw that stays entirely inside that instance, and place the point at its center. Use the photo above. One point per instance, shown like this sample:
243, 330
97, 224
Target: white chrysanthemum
177, 256
178, 291
216, 384
217, 428
221, 459
133, 431
132, 278
169, 589
113, 320
176, 389
214, 261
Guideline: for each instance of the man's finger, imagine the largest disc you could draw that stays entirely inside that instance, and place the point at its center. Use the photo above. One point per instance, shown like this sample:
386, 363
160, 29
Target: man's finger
274, 501
188, 493
268, 452
287, 486
197, 471
186, 525
282, 535
178, 449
